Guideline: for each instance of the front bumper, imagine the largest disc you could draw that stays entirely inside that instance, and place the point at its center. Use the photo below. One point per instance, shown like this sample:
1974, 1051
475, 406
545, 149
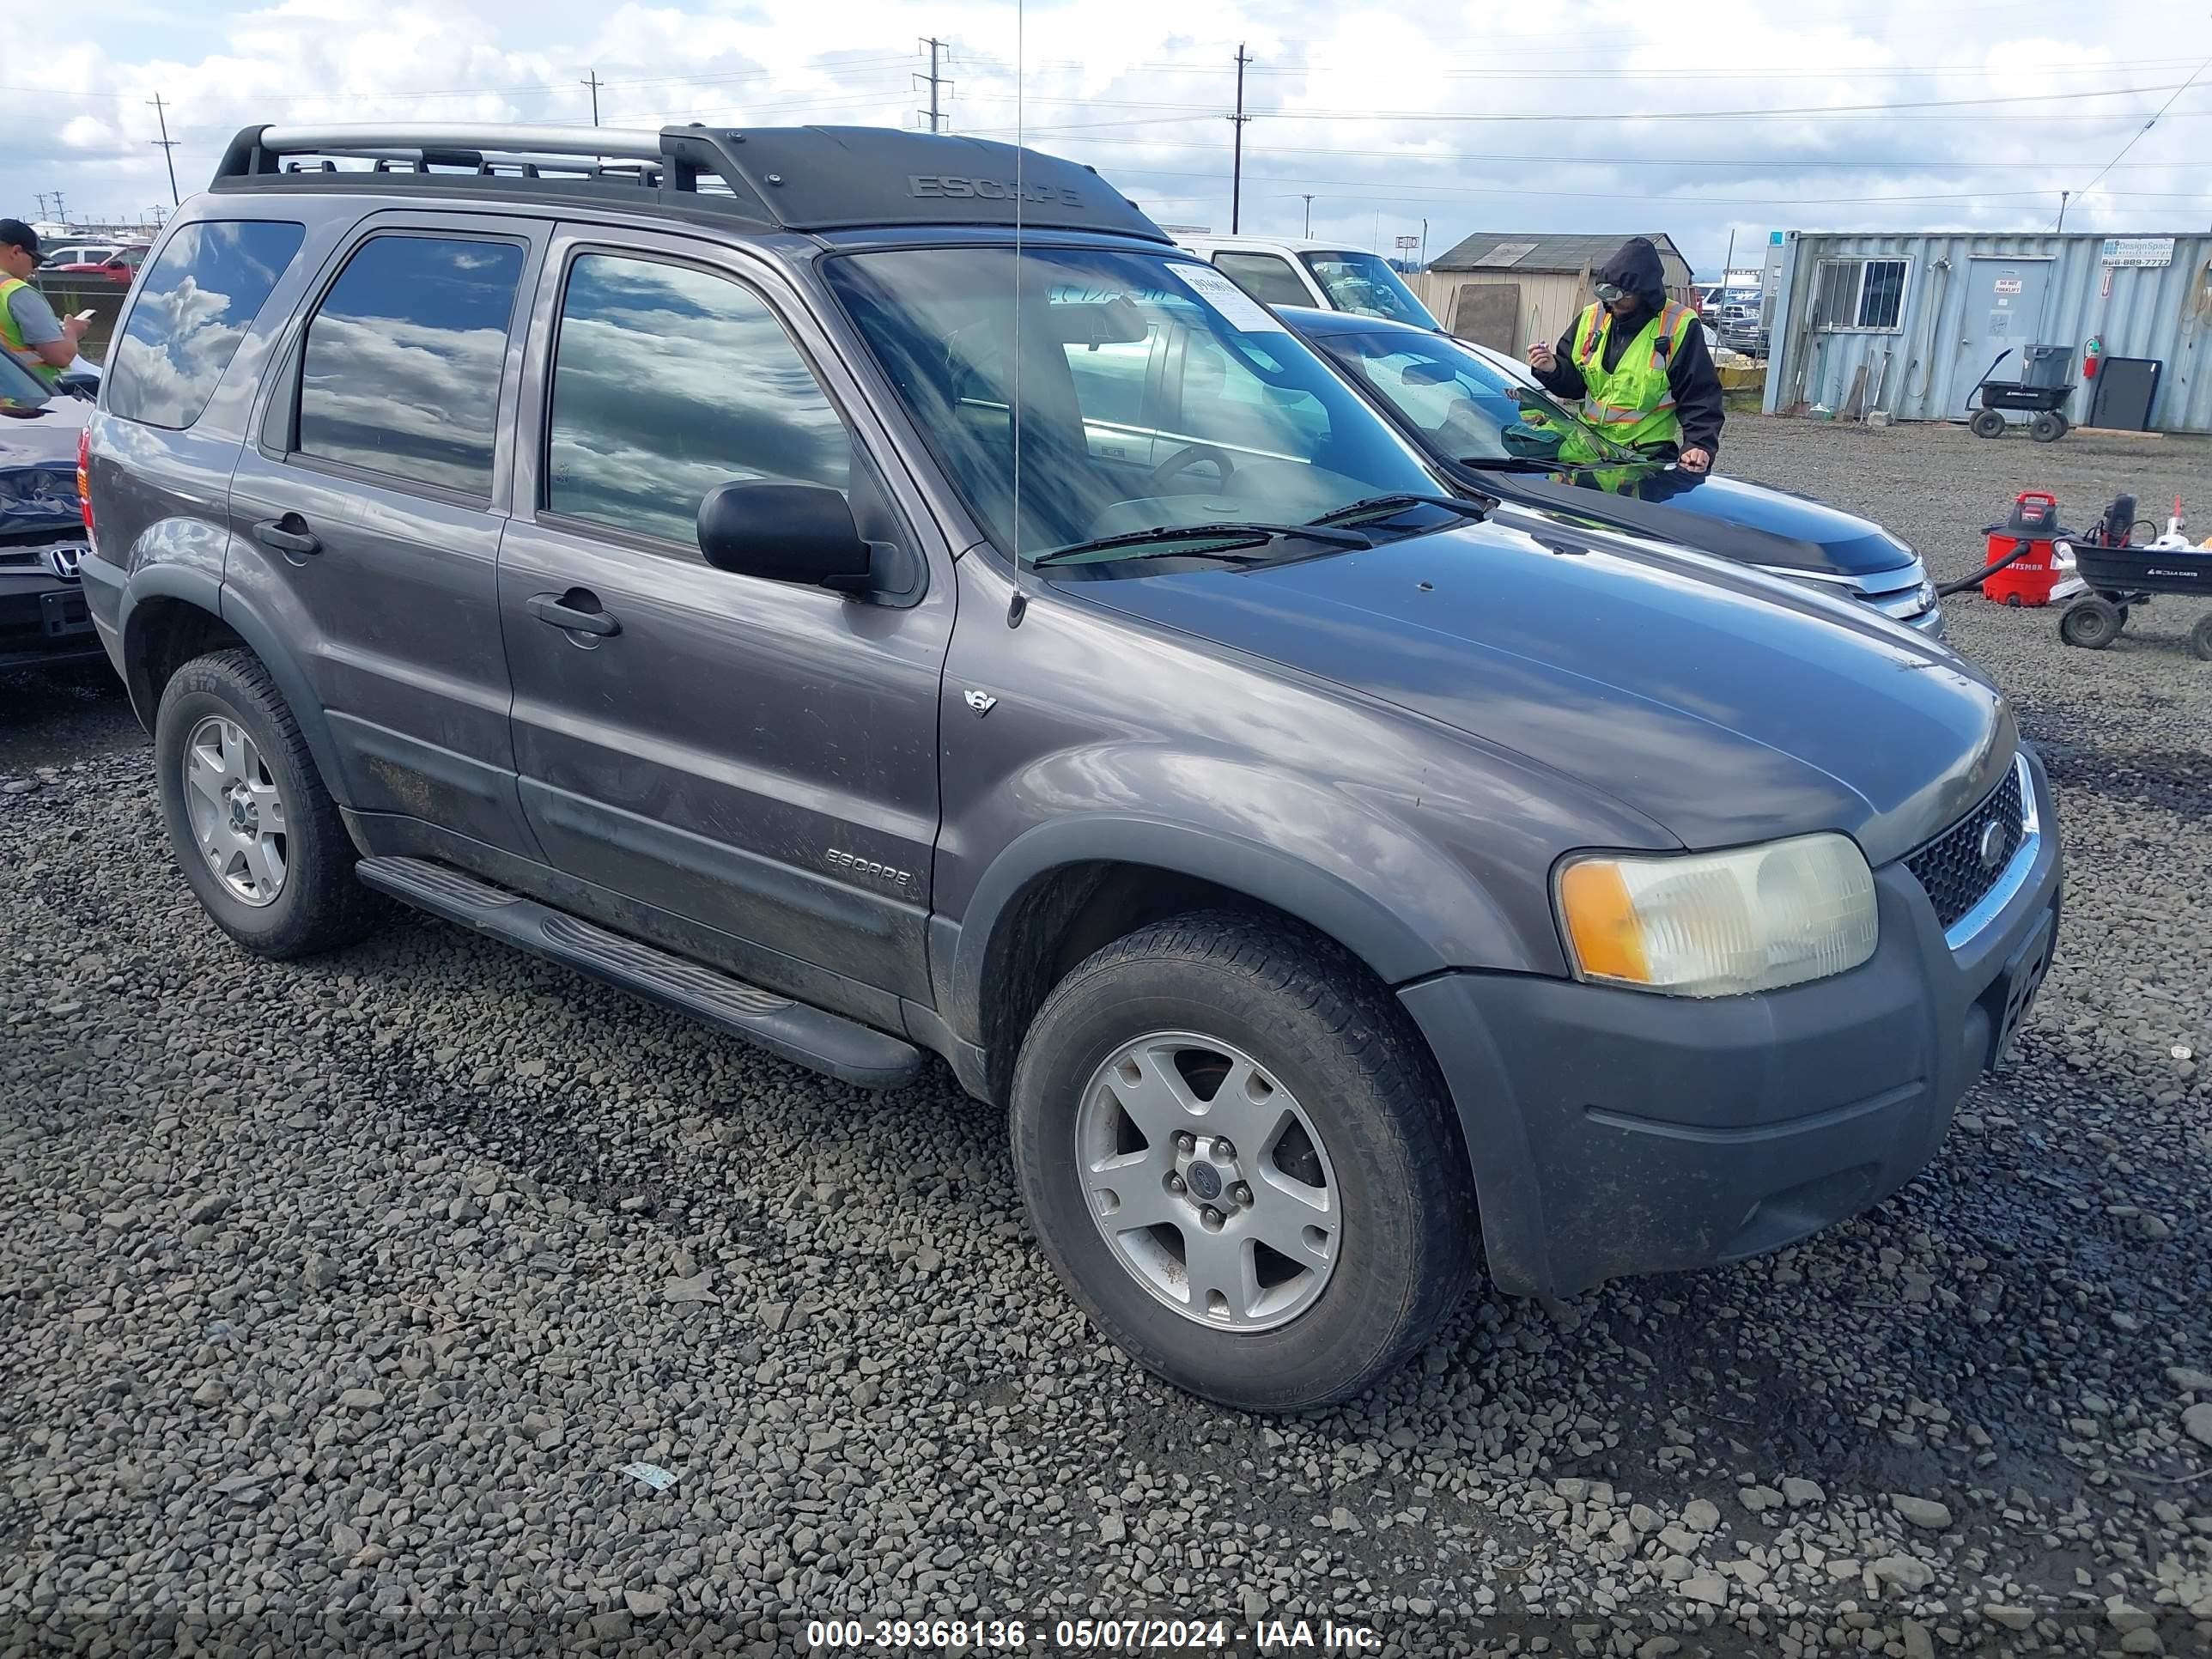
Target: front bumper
1614, 1132
43, 617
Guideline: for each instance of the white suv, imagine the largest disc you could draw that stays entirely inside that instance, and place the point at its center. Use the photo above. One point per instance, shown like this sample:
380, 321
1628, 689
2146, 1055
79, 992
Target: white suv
1281, 270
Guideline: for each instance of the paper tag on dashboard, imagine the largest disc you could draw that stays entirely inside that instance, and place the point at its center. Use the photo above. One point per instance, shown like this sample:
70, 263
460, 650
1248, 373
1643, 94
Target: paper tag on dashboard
1242, 313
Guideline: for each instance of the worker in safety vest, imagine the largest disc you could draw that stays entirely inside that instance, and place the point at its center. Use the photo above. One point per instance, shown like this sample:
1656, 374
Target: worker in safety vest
29, 330
1639, 363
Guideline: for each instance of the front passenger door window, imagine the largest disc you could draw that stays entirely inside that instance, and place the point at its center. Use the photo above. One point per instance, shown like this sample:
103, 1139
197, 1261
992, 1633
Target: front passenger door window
668, 381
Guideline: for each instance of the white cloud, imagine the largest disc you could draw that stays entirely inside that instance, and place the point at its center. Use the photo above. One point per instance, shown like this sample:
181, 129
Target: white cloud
1345, 100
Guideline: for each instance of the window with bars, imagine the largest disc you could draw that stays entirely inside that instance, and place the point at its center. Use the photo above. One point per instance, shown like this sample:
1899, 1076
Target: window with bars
1858, 295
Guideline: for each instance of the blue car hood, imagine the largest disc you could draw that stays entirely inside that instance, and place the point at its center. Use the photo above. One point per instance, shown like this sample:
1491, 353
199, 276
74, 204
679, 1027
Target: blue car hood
1756, 523
1724, 706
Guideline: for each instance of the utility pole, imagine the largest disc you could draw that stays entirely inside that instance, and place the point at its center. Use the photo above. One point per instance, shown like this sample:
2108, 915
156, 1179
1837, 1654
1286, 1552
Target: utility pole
936, 110
1308, 196
594, 81
1728, 262
2062, 197
61, 212
1236, 166
169, 147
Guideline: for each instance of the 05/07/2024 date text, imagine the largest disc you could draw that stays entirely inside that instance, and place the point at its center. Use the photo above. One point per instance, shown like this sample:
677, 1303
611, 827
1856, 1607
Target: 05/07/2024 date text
1082, 1635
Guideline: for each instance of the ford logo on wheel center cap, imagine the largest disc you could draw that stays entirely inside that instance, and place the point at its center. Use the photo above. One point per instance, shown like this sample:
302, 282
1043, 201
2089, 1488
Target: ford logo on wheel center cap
1205, 1181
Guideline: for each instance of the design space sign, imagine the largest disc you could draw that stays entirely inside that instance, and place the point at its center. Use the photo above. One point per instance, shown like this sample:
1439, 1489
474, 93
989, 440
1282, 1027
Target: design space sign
2138, 251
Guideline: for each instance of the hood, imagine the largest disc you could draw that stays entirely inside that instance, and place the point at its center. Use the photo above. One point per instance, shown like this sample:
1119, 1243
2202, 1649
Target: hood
1751, 523
46, 436
42, 443
1725, 706
1637, 268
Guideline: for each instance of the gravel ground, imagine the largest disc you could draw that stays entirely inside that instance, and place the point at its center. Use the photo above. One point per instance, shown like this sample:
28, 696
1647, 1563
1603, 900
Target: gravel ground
333, 1297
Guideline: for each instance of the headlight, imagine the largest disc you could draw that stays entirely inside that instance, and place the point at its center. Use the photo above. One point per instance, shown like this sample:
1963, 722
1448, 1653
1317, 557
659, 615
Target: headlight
1719, 924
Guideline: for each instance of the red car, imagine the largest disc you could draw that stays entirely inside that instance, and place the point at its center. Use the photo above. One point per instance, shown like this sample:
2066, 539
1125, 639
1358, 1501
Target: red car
121, 267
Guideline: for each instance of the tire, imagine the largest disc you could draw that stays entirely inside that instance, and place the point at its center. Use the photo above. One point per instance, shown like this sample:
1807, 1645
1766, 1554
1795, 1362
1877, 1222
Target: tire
1368, 1125
1987, 423
2200, 637
2046, 427
304, 899
2014, 600
2122, 626
2091, 624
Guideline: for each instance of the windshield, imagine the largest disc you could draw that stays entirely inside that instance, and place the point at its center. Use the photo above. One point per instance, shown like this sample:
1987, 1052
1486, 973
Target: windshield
18, 387
1153, 394
1465, 409
1362, 283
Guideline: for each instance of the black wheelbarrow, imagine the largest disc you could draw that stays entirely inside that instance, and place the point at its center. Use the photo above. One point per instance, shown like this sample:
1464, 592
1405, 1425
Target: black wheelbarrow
2031, 396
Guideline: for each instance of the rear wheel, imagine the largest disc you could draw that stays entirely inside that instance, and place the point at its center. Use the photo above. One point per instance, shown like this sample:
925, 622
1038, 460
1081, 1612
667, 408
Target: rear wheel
2200, 637
257, 835
1239, 1160
1987, 423
2046, 427
2091, 624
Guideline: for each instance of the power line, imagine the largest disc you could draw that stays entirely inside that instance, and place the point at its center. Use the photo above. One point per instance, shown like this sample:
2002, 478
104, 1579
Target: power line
935, 79
2146, 127
168, 146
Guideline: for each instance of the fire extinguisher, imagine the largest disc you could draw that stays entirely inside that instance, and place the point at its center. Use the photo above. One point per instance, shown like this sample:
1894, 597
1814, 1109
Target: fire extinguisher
2090, 354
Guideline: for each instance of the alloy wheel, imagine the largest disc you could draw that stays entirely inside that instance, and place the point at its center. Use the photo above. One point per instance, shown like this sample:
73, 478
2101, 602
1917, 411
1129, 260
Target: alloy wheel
237, 814
1208, 1180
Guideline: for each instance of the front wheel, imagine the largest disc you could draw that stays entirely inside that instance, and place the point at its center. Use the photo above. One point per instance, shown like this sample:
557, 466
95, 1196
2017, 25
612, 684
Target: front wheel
2200, 637
1987, 423
2046, 427
257, 835
1242, 1163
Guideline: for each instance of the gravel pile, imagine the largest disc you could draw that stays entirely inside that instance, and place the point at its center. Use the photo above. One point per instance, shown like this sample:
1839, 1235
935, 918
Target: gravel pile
337, 1298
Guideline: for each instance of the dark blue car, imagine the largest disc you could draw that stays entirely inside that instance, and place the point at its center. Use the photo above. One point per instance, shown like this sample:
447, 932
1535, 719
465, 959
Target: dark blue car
1498, 434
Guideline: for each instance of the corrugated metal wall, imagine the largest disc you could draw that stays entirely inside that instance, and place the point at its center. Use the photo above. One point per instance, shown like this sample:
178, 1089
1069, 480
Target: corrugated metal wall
2163, 312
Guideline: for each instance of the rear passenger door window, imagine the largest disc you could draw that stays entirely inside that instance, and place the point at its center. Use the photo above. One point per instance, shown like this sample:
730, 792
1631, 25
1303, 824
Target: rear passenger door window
400, 370
1264, 277
668, 380
193, 308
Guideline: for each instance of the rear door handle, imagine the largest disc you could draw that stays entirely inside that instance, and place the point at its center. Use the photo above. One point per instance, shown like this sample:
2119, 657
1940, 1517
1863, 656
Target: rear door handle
577, 611
289, 534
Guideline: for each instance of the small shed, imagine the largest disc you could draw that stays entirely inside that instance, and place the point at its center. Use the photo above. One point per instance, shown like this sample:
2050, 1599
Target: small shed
1909, 322
1504, 288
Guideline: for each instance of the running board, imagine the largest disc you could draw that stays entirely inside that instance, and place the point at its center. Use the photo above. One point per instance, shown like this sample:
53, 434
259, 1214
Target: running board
807, 1035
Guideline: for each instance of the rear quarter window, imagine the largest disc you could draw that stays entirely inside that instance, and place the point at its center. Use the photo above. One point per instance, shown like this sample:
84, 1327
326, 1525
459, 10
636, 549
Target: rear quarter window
194, 305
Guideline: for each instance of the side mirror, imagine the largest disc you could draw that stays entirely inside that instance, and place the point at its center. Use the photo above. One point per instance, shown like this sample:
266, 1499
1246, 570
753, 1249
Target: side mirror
785, 532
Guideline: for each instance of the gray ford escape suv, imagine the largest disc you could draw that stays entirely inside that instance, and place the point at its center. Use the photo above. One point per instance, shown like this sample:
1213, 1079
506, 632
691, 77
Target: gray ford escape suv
722, 563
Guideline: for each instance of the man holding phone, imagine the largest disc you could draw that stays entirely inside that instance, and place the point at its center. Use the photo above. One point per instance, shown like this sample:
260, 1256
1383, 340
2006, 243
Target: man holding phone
1640, 361
33, 335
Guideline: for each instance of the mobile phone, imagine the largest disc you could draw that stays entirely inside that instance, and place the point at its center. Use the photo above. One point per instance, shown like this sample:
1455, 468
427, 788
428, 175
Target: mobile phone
84, 316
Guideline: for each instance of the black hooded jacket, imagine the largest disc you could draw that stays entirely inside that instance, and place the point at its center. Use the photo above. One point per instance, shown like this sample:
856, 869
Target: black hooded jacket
1696, 383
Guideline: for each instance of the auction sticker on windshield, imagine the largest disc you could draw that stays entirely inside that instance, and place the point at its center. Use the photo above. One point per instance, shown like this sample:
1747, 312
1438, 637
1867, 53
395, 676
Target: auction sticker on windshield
1239, 309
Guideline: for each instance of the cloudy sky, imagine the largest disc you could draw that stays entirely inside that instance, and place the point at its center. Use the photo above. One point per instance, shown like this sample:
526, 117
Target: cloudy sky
1590, 115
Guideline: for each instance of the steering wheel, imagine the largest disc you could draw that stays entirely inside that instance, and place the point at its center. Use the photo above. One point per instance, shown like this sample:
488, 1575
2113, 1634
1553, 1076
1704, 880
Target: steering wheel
1185, 458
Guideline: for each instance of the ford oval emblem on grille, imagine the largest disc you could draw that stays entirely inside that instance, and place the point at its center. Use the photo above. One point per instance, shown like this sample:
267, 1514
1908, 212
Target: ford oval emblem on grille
63, 560
1990, 848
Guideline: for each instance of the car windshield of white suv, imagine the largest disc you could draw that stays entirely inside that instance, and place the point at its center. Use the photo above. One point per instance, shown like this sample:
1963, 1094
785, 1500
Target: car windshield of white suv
1465, 409
1128, 406
1361, 282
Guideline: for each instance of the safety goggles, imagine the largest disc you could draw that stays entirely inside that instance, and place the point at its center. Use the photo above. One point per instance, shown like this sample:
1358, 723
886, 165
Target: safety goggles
1609, 292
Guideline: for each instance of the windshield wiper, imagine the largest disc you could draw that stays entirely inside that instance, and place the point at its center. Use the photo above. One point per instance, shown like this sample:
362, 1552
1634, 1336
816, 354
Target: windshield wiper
1398, 503
1233, 535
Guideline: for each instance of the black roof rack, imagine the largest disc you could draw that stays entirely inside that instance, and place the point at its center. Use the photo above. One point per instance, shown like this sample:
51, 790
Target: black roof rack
805, 179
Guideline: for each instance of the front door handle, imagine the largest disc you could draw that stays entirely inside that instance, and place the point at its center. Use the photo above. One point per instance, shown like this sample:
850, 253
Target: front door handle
289, 534
576, 611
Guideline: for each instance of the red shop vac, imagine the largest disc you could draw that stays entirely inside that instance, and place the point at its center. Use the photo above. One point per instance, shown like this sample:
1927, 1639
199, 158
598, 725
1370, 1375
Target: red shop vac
2030, 555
